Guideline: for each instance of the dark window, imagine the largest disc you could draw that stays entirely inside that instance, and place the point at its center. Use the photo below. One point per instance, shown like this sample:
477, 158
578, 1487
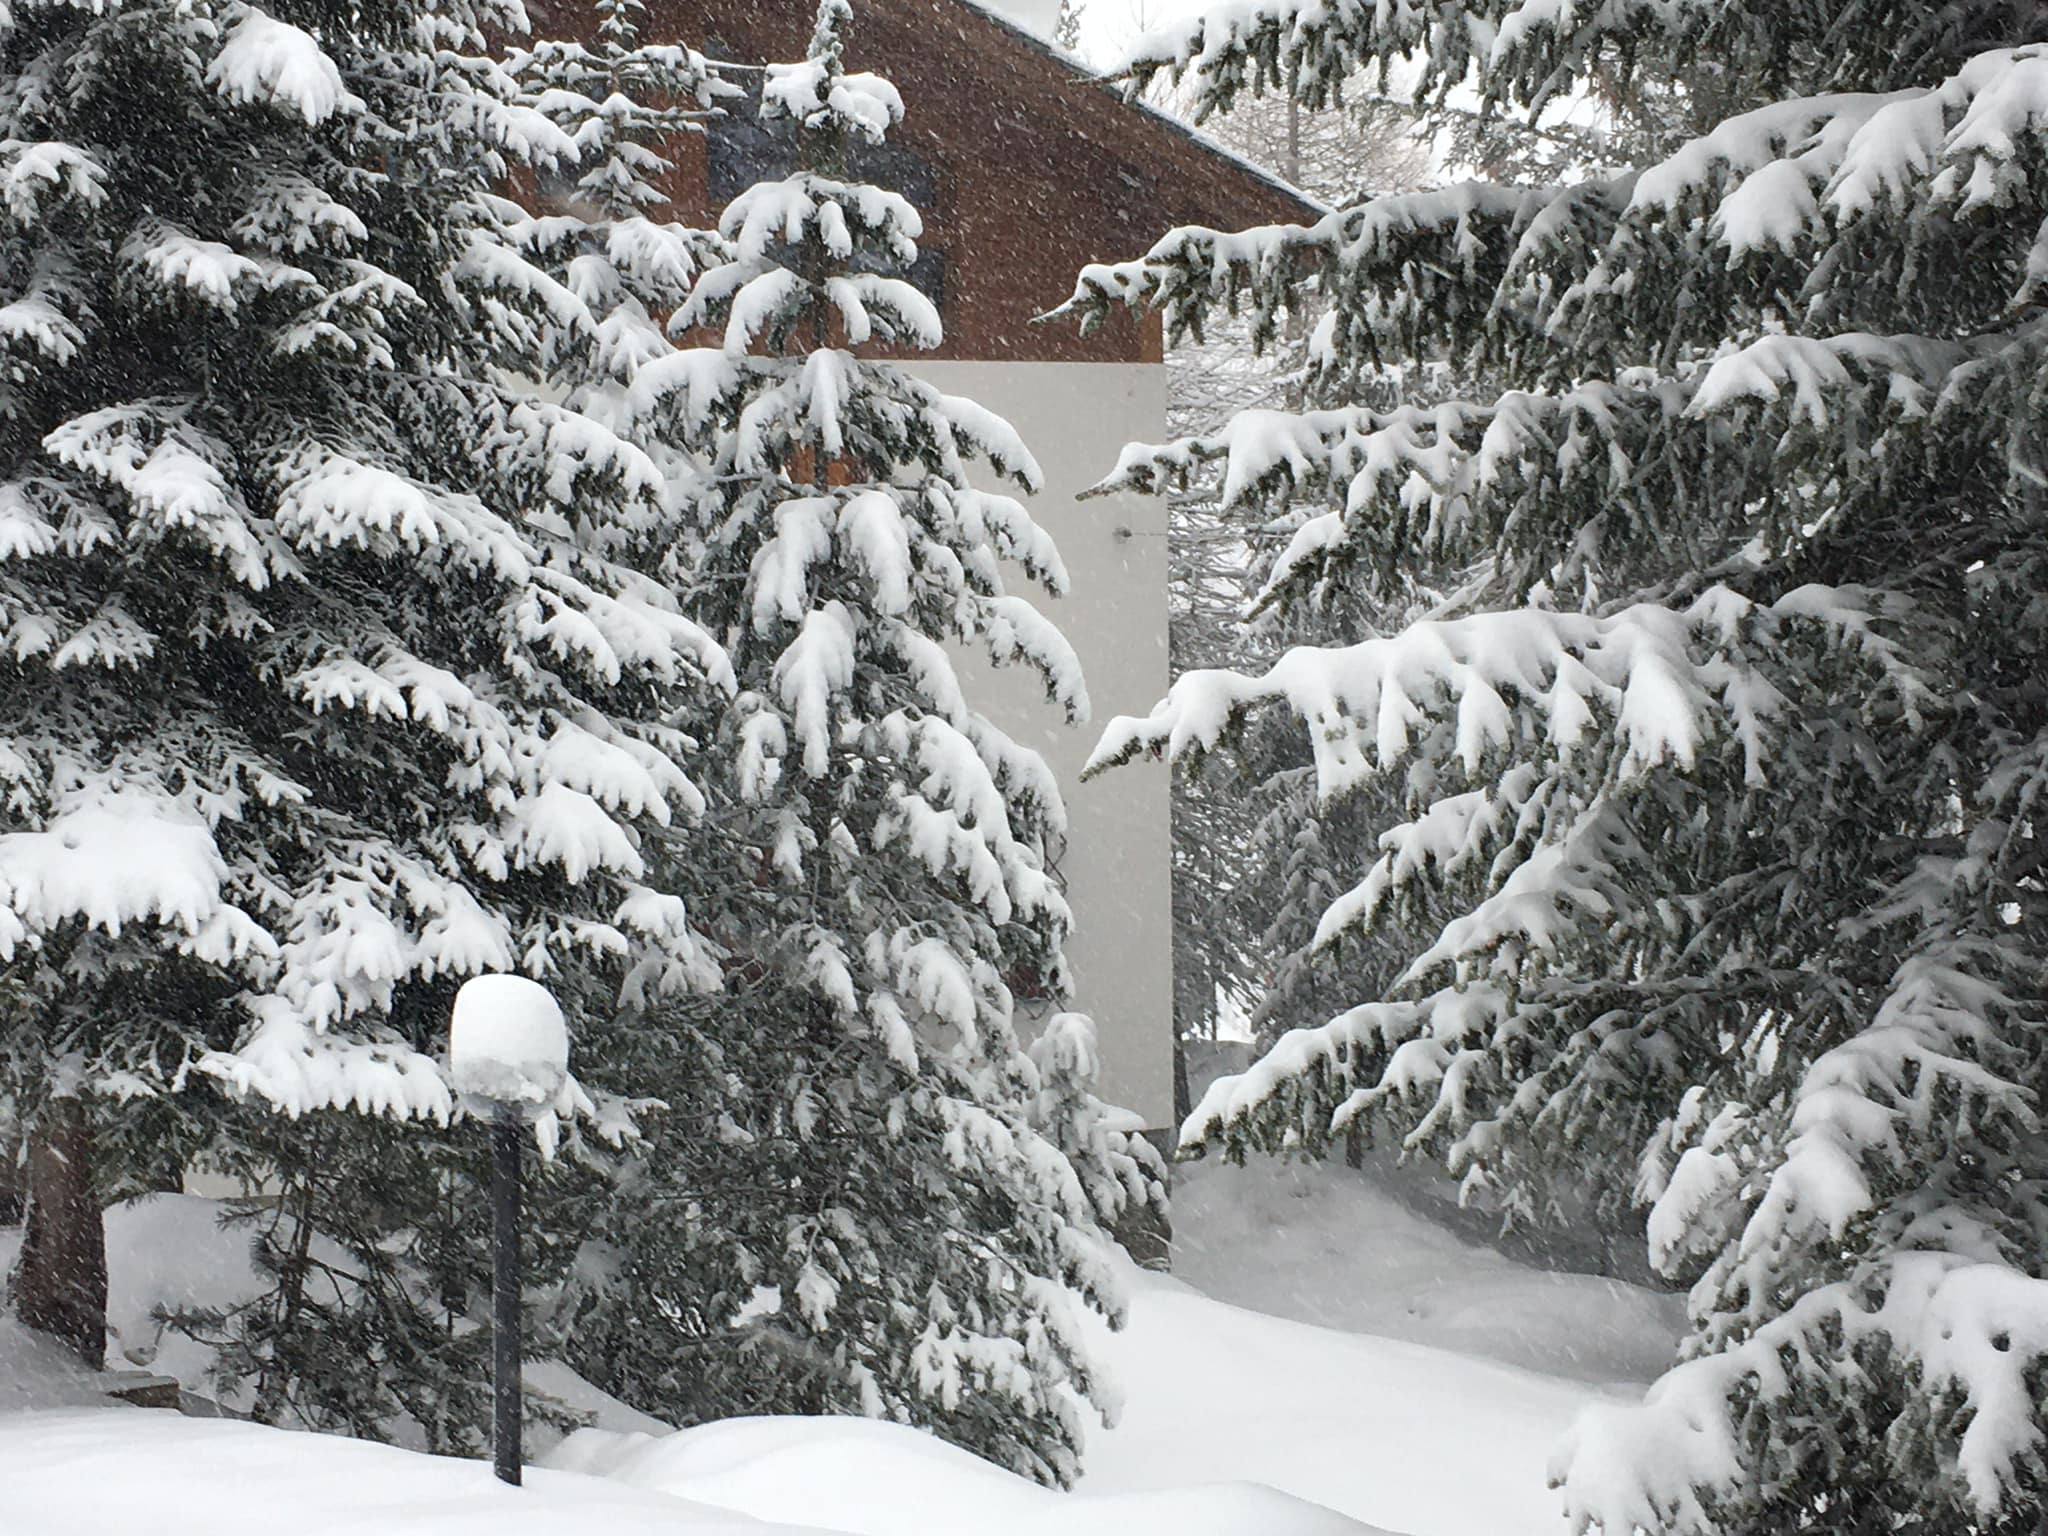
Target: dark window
928, 275
900, 169
743, 150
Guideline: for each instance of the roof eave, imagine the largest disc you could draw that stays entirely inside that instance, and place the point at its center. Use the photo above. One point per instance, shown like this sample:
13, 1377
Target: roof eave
1312, 208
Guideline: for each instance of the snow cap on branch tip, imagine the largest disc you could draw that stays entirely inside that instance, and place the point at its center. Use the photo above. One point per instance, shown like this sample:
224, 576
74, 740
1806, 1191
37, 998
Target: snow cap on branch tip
828, 33
863, 105
120, 851
296, 1067
29, 173
820, 95
273, 62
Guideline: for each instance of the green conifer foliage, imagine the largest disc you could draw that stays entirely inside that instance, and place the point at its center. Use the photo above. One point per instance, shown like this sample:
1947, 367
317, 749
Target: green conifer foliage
333, 673
849, 1204
1712, 844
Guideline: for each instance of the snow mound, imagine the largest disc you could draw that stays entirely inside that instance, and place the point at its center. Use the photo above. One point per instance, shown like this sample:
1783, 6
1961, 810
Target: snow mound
873, 1479
154, 1270
130, 1472
167, 1254
1234, 1421
36, 1371
554, 1380
1399, 1435
1319, 1244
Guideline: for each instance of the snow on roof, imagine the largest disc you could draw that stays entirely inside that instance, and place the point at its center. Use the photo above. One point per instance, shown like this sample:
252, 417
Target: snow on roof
1035, 16
1006, 13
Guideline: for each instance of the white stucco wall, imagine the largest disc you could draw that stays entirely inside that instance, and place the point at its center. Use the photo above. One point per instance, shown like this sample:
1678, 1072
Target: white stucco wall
1076, 417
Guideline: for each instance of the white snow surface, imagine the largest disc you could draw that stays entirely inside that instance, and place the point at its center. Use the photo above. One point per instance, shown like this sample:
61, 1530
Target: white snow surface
169, 1253
1034, 16
1319, 1244
132, 1472
35, 1370
1403, 1436
857, 1472
165, 1253
1313, 1424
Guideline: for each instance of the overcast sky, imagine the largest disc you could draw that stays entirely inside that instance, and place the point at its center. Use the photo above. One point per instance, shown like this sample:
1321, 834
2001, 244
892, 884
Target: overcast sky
1108, 26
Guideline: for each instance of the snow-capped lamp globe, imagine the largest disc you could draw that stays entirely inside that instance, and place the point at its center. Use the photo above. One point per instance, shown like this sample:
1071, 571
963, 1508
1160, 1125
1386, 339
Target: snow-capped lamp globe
508, 1059
507, 1045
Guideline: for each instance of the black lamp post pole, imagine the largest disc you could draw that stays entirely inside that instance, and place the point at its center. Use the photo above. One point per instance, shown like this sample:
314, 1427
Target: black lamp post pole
505, 1350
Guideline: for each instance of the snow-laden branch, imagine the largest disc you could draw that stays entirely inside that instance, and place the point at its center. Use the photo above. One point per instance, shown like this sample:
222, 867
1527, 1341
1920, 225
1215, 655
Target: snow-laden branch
1660, 679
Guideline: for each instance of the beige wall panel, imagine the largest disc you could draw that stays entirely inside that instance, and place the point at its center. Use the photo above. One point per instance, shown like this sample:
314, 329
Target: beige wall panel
1076, 417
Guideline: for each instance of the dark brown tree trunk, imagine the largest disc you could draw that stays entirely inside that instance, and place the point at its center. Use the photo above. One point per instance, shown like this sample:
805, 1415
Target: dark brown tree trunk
1183, 1100
61, 1287
13, 1191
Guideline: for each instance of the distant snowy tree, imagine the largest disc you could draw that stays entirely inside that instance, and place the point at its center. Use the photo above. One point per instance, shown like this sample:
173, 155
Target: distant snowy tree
1066, 26
1236, 835
1122, 1171
333, 673
598, 224
1711, 849
847, 1206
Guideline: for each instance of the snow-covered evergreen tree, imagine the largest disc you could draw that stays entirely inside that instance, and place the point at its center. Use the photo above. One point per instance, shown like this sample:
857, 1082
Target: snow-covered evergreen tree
847, 1206
331, 672
597, 223
1714, 804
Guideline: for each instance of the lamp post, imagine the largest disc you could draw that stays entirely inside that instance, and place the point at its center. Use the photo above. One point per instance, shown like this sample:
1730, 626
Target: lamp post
508, 1055
506, 1419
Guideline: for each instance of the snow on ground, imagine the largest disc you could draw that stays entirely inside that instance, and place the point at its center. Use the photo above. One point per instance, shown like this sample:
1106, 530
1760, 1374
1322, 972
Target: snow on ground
872, 1479
1319, 1244
1218, 1400
169, 1253
1404, 1436
38, 1372
223, 1478
138, 1472
1396, 1391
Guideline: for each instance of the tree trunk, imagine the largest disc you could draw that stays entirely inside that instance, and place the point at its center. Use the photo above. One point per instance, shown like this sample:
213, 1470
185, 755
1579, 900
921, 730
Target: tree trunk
61, 1286
13, 1193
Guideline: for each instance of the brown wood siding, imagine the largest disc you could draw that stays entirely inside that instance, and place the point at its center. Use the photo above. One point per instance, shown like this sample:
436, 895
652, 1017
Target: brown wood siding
1038, 171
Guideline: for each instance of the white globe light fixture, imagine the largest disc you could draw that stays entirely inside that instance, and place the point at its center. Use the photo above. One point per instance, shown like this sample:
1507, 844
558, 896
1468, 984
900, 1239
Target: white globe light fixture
507, 1043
